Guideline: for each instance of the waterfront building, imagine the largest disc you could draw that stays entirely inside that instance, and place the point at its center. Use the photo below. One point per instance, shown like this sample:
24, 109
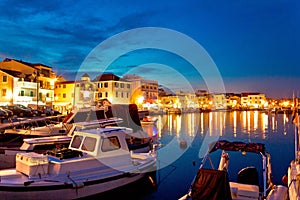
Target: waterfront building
204, 100
218, 101
74, 94
183, 101
253, 100
188, 101
6, 84
285, 104
84, 92
26, 83
64, 96
169, 102
233, 101
113, 88
144, 92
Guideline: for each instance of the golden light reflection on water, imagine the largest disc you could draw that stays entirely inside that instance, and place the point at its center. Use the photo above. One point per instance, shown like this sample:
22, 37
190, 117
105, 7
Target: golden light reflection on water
235, 123
202, 123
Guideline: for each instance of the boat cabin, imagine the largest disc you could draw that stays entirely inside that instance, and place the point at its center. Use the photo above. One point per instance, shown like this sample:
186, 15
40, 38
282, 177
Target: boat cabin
100, 142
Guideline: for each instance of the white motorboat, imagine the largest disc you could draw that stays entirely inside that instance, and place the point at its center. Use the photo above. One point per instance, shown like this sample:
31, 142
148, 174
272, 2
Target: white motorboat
43, 144
97, 160
213, 184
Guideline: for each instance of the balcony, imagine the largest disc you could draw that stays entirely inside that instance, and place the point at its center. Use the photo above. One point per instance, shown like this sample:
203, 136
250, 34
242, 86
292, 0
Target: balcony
25, 84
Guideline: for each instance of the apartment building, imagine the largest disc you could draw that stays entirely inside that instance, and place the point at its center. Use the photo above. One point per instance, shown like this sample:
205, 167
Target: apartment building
26, 83
253, 100
113, 88
64, 96
143, 91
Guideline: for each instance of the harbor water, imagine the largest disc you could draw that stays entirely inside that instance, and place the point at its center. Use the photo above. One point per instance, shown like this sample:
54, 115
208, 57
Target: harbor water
182, 141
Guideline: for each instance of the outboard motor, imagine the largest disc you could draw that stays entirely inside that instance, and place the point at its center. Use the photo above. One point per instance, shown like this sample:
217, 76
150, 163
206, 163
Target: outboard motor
248, 175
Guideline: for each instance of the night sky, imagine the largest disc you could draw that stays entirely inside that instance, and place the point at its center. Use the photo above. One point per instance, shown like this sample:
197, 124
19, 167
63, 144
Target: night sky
254, 44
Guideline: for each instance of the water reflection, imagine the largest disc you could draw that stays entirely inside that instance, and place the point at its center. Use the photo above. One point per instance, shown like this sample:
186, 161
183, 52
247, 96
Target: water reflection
234, 124
182, 138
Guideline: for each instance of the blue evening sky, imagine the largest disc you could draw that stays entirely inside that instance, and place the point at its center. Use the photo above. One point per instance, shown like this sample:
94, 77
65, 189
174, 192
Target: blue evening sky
254, 44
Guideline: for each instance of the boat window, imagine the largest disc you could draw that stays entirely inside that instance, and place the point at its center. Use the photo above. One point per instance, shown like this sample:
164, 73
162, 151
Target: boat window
89, 144
110, 143
76, 141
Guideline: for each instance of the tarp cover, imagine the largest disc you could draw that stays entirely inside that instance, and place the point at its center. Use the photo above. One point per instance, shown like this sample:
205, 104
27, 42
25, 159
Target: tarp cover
129, 114
211, 184
238, 146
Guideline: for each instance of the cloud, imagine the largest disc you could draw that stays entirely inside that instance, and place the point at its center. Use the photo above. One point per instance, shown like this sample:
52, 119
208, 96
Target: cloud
245, 39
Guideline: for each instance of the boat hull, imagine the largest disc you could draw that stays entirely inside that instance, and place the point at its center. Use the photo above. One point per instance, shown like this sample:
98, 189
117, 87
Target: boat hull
69, 190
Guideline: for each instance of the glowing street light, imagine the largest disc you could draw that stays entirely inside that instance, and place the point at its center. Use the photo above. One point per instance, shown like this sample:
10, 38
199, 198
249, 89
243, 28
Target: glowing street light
140, 100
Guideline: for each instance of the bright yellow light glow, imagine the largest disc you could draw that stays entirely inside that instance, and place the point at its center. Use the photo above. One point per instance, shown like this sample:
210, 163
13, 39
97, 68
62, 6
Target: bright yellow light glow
286, 103
140, 100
